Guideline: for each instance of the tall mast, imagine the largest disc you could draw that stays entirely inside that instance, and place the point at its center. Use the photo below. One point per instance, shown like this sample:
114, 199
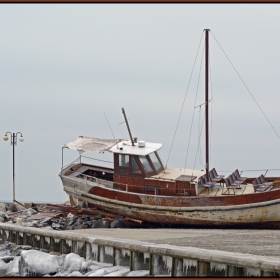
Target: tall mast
207, 98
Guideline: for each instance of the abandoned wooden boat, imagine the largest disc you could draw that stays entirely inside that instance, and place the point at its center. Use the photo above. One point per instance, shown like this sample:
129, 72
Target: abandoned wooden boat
140, 187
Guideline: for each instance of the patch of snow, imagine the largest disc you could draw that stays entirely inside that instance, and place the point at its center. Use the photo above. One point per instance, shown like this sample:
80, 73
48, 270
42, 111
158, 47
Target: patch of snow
68, 242
13, 267
96, 266
3, 265
138, 273
37, 237
37, 263
56, 240
73, 262
7, 233
122, 272
75, 274
85, 266
4, 253
104, 271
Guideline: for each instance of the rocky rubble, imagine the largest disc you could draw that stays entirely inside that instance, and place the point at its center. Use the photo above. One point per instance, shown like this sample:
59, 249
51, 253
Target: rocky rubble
51, 218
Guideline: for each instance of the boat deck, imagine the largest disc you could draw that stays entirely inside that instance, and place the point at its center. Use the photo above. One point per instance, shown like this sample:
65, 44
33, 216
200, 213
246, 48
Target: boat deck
219, 190
78, 171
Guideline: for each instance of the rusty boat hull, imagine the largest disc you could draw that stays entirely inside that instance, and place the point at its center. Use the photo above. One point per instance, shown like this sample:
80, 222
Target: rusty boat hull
254, 210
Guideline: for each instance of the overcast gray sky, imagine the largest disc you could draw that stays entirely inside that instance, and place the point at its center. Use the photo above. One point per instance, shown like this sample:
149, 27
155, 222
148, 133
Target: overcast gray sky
63, 66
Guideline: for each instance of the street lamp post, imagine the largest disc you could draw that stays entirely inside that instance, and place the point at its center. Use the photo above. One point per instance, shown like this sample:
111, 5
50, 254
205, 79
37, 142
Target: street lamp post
13, 143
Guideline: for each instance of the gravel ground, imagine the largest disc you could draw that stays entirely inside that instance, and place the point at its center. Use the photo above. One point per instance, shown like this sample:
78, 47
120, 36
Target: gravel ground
257, 242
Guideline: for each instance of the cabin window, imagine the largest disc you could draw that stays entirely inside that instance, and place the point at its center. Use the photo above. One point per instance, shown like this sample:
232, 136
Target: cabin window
134, 166
155, 160
124, 164
146, 164
124, 160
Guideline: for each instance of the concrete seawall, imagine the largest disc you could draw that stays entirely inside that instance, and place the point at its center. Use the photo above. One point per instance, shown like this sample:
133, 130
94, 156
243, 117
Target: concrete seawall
159, 259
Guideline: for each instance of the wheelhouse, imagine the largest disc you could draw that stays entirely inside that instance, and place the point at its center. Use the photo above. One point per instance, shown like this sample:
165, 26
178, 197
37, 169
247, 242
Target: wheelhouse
138, 160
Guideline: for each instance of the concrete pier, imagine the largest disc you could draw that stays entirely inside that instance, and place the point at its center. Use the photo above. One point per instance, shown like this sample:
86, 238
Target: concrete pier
159, 259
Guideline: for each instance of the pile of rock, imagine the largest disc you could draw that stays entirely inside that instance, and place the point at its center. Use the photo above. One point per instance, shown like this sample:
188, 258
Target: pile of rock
25, 261
14, 213
74, 222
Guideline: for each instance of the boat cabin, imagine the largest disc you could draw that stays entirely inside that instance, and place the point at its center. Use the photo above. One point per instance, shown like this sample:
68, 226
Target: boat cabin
137, 168
138, 160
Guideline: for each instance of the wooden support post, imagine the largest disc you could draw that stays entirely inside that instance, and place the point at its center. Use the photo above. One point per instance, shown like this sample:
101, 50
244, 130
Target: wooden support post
202, 269
151, 265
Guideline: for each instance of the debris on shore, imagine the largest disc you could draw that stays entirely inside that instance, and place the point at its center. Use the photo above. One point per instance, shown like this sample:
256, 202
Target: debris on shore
61, 217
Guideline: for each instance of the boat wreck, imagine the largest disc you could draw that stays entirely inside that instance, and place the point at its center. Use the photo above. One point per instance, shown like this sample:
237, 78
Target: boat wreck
140, 187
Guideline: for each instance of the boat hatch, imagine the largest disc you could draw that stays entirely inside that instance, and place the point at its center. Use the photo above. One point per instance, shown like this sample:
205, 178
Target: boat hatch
104, 175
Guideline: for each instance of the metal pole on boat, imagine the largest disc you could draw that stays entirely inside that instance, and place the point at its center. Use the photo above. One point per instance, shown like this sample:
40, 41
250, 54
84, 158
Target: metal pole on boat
132, 142
207, 98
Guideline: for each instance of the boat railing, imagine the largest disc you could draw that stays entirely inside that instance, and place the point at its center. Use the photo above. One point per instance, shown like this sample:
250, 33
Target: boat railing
76, 161
99, 181
121, 186
256, 171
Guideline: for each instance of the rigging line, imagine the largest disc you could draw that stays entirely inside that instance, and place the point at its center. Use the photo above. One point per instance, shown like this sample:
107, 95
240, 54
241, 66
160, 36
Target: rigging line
184, 100
109, 126
97, 159
194, 109
246, 87
198, 144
